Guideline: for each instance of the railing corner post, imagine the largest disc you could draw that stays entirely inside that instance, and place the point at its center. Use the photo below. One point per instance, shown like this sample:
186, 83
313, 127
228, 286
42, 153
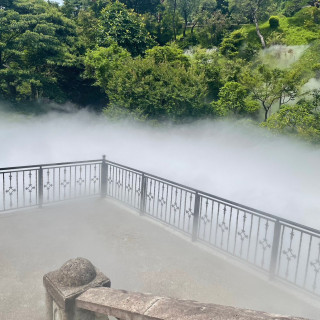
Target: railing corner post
196, 216
40, 186
63, 286
275, 248
143, 194
104, 176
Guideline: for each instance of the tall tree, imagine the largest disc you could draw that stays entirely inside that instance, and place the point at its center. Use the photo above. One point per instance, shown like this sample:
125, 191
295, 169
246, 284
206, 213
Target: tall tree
269, 86
35, 41
251, 11
143, 6
186, 8
124, 26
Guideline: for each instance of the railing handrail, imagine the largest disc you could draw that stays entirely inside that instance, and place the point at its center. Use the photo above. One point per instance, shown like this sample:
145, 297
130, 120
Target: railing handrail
49, 165
229, 202
202, 193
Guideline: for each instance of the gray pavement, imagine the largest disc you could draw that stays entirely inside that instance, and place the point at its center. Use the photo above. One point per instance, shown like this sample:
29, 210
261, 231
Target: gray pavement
134, 252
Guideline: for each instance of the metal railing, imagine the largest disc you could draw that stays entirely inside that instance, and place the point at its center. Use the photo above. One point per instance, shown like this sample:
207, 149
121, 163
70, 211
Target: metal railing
284, 249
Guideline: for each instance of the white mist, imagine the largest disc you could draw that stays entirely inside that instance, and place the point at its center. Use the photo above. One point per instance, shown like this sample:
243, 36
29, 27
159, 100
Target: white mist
230, 159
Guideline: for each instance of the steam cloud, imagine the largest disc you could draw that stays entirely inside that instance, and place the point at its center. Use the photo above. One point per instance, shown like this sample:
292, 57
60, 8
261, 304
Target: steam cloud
230, 159
282, 56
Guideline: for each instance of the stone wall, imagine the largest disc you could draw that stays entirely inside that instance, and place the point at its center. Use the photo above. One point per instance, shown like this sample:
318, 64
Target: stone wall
79, 291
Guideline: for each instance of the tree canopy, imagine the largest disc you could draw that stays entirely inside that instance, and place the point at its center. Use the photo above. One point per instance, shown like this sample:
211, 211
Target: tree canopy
160, 60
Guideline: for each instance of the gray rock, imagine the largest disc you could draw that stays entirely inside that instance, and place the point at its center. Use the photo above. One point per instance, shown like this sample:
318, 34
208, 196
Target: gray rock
76, 272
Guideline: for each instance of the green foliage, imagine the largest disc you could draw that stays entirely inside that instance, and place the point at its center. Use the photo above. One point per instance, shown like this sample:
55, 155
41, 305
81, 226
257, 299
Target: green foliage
269, 86
124, 26
170, 53
245, 11
127, 55
36, 41
87, 29
297, 30
160, 26
274, 22
234, 99
159, 91
101, 63
301, 119
293, 6
143, 6
71, 8
316, 15
306, 63
230, 45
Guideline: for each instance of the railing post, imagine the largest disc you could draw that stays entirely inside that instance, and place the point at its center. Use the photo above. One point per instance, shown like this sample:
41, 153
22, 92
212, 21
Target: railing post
196, 216
104, 176
275, 248
40, 186
143, 195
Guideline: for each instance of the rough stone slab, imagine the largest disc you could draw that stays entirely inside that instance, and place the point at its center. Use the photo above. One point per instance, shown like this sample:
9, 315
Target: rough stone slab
137, 306
62, 295
117, 303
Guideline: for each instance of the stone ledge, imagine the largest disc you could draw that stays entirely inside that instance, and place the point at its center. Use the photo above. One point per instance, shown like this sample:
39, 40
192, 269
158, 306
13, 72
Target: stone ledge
137, 306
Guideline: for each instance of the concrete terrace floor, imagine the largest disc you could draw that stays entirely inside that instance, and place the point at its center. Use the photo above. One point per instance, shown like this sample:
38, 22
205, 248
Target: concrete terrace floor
135, 252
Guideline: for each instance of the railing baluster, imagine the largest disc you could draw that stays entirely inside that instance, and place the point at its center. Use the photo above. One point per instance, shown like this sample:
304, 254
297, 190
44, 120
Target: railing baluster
275, 248
40, 187
143, 195
196, 215
104, 176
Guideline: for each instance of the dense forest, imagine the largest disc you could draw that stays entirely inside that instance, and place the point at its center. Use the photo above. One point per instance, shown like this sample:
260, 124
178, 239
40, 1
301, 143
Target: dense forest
167, 60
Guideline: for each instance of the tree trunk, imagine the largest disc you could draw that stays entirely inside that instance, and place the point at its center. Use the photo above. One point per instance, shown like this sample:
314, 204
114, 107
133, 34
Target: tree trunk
280, 101
193, 26
255, 19
174, 19
266, 115
185, 24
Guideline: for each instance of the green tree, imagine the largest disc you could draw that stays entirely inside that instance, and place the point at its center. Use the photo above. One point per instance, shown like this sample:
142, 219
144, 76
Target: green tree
234, 99
36, 41
252, 11
164, 90
71, 8
101, 63
203, 12
269, 86
186, 8
293, 6
169, 53
124, 26
143, 6
87, 29
301, 119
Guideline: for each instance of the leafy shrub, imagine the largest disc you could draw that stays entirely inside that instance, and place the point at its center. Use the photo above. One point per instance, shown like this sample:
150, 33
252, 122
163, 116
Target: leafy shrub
231, 44
274, 22
169, 53
293, 6
316, 15
190, 40
234, 99
316, 69
300, 120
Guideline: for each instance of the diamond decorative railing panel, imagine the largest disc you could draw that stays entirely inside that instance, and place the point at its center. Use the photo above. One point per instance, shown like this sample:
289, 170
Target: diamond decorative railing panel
284, 249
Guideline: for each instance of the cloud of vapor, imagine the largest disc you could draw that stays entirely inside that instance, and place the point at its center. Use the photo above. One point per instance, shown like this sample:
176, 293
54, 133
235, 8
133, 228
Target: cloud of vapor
282, 56
230, 159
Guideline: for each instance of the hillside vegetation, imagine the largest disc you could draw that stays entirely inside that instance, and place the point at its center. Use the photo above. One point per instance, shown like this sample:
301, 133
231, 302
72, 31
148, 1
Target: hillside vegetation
167, 60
